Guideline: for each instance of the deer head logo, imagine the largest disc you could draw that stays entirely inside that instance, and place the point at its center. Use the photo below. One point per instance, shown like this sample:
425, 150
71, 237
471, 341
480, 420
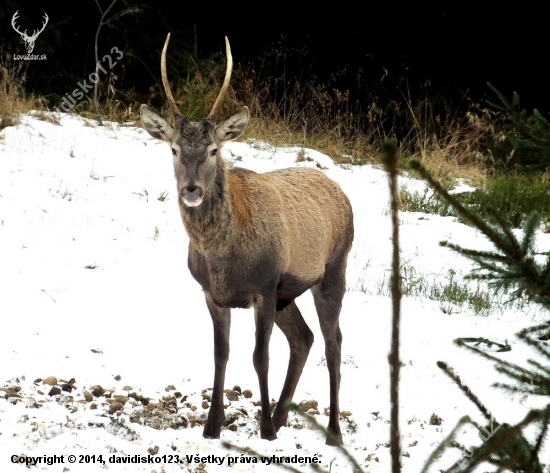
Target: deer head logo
29, 40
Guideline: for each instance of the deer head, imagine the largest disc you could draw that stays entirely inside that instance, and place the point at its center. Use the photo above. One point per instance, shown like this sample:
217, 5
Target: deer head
29, 40
195, 146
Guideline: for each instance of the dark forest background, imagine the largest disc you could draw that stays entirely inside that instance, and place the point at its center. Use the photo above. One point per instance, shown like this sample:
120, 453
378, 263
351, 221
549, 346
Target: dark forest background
394, 49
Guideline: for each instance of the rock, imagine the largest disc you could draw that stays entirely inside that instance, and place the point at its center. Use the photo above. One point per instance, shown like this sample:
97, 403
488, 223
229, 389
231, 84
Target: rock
327, 411
307, 405
153, 450
117, 377
205, 404
54, 391
231, 394
97, 390
233, 427
435, 420
231, 418
169, 388
135, 417
50, 381
88, 396
206, 396
247, 393
154, 423
177, 394
345, 413
313, 412
37, 381
114, 407
122, 399
127, 388
66, 387
237, 389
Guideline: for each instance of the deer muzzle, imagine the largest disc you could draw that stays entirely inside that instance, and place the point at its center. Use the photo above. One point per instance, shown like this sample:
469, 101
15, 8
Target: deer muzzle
192, 196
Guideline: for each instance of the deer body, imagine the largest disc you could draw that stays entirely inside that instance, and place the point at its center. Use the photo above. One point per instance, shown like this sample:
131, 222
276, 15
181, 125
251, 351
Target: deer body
259, 240
265, 248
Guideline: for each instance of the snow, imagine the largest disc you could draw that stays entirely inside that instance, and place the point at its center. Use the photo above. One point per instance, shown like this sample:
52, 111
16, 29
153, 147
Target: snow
91, 259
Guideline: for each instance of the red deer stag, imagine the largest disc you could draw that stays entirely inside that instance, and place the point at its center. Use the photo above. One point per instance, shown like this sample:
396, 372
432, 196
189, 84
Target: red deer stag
259, 240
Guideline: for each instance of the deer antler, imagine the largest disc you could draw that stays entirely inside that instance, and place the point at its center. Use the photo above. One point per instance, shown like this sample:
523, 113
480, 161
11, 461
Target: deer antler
225, 84
165, 83
35, 35
13, 20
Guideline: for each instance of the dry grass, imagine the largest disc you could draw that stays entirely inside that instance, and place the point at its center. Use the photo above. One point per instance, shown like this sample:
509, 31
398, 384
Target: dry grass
13, 100
295, 112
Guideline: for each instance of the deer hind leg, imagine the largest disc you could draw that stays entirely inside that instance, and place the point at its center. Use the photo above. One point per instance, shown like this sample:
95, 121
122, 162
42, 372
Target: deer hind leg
328, 295
300, 339
221, 319
264, 316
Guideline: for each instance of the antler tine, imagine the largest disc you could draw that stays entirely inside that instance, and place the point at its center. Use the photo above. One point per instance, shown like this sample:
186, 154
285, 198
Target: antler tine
165, 83
225, 84
14, 18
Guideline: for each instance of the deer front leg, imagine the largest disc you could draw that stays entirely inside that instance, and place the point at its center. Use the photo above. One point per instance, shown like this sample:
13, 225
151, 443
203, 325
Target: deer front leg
264, 315
221, 319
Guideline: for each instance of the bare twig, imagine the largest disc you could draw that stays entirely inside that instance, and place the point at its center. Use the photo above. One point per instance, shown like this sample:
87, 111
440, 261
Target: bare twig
389, 158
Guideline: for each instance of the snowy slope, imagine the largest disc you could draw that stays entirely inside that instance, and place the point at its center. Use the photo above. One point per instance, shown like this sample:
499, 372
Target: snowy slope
91, 259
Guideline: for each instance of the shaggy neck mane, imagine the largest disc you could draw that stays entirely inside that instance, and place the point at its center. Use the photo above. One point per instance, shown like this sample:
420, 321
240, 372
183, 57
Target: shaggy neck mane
225, 210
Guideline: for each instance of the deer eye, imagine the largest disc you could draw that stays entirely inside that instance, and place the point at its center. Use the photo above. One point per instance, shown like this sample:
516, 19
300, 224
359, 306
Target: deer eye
214, 152
174, 152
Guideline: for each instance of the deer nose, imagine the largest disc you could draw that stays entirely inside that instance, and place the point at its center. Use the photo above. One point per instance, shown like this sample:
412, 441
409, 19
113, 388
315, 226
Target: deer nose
191, 193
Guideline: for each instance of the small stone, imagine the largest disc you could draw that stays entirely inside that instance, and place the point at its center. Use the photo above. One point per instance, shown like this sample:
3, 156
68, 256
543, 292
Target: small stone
114, 407
37, 381
153, 450
135, 418
307, 405
169, 388
177, 394
193, 408
345, 413
205, 404
66, 387
206, 396
327, 411
96, 350
50, 381
435, 420
117, 377
237, 388
127, 388
88, 396
313, 412
231, 417
54, 391
232, 427
231, 395
97, 390
108, 393
39, 392
122, 399
247, 393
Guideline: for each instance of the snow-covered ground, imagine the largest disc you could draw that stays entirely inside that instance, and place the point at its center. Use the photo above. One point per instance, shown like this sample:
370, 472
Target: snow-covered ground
95, 290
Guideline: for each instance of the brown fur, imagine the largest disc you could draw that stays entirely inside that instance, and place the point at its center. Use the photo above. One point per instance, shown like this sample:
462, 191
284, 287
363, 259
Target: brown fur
261, 240
239, 200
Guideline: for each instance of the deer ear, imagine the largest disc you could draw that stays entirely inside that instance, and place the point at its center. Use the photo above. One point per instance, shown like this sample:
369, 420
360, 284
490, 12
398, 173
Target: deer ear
233, 126
157, 126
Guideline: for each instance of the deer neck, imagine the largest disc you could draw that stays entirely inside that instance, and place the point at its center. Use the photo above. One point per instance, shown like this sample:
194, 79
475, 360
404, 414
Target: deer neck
213, 224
